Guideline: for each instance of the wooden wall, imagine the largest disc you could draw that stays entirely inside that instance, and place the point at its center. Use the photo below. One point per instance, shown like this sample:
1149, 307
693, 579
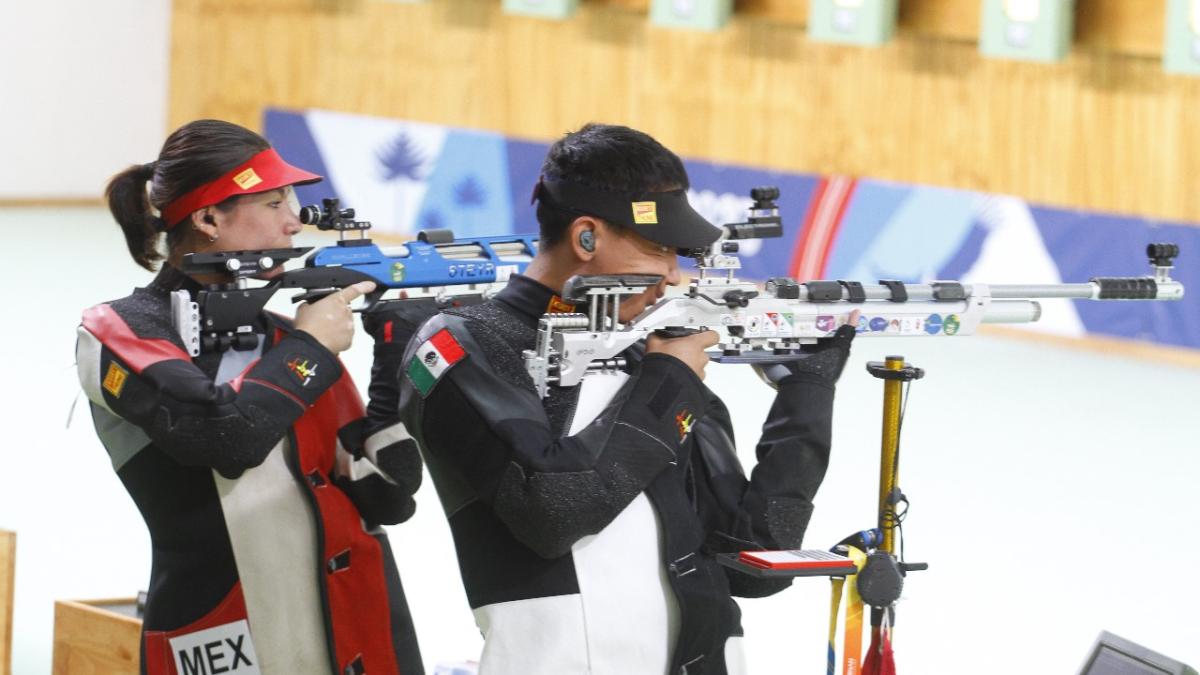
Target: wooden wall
1107, 129
8, 570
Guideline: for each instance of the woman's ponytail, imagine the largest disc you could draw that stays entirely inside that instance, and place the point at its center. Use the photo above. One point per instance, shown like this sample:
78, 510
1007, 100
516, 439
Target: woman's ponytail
130, 205
194, 154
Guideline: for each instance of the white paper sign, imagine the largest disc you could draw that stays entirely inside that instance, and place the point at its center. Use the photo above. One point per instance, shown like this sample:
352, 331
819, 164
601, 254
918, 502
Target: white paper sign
216, 651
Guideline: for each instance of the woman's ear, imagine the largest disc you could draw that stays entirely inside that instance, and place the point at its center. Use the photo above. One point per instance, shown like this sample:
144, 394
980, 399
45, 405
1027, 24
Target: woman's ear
204, 223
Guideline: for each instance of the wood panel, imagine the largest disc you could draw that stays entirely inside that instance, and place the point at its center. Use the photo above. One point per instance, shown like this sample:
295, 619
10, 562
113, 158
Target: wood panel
1122, 26
8, 571
1101, 131
92, 640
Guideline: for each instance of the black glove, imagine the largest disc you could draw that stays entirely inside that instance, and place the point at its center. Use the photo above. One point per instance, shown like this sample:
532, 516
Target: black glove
395, 321
391, 325
823, 361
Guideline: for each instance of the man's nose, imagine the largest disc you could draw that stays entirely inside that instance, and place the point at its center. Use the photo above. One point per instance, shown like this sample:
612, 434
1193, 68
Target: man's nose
673, 277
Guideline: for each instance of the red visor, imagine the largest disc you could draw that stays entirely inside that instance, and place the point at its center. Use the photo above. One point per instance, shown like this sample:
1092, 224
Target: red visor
261, 173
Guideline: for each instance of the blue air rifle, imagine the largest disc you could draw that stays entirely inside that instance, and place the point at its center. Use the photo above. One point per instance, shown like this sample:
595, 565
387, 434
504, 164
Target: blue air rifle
772, 324
435, 266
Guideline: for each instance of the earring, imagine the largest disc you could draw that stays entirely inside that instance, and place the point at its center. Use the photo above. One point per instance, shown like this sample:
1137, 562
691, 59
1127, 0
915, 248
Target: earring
212, 238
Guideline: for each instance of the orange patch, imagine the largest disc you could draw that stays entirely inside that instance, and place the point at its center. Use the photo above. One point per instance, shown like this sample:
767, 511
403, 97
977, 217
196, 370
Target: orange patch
559, 306
645, 213
247, 179
114, 379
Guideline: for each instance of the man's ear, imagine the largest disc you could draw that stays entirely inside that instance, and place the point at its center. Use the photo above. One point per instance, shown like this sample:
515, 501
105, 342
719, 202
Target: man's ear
583, 237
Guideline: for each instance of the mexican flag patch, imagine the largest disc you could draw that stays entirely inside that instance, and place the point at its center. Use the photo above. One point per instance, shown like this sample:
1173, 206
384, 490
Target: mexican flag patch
433, 358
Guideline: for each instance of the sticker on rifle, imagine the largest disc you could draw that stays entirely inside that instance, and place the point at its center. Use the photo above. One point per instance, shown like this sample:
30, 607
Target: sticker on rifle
397, 271
505, 272
114, 379
434, 357
878, 324
933, 324
770, 324
302, 370
247, 179
684, 421
779, 324
911, 325
754, 324
221, 649
645, 213
826, 324
951, 325
862, 326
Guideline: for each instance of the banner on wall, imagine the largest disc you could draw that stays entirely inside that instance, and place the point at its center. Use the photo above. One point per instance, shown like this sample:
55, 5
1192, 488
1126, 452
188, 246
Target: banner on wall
407, 176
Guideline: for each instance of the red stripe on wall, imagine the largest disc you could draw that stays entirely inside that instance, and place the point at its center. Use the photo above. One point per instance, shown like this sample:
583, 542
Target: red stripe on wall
836, 226
806, 229
822, 223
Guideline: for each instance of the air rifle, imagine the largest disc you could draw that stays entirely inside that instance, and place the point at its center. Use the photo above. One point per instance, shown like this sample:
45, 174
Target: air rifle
770, 325
446, 270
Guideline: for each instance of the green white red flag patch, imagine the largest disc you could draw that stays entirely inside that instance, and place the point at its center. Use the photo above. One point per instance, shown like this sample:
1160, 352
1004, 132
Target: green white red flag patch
433, 358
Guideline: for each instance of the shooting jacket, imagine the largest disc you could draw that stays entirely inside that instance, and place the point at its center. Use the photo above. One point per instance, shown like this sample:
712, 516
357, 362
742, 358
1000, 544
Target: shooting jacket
586, 524
263, 485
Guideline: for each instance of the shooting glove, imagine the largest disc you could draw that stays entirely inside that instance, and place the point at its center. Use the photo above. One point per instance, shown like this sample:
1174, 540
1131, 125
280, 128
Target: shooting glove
391, 326
823, 362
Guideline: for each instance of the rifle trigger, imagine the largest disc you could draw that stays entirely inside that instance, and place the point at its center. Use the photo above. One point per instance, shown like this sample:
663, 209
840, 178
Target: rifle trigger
312, 296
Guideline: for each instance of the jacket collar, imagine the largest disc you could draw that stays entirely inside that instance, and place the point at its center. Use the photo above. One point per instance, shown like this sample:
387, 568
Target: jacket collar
530, 299
170, 279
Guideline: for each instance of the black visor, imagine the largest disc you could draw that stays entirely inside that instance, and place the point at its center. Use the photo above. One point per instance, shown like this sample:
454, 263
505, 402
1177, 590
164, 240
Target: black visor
662, 217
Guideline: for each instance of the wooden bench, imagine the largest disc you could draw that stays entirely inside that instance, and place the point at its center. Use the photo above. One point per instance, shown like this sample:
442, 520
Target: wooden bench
96, 636
8, 570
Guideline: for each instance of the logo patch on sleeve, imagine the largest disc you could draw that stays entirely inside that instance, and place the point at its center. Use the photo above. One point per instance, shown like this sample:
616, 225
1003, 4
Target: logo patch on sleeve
304, 373
221, 649
432, 359
114, 379
684, 421
645, 213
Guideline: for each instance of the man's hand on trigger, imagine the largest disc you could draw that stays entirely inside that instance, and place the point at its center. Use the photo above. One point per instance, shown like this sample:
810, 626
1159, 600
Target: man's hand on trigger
688, 349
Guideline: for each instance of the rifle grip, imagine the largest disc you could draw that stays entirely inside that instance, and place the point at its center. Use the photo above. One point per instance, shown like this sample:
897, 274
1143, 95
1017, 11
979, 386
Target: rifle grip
313, 296
676, 332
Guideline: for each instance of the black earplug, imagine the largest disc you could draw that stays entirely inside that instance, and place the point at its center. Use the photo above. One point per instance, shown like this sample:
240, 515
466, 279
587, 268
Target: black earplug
587, 241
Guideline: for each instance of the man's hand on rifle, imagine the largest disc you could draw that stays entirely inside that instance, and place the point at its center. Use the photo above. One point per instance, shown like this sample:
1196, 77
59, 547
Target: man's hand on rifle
823, 361
688, 349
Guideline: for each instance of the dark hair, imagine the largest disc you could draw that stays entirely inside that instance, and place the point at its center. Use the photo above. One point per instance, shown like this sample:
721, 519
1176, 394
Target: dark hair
194, 154
605, 157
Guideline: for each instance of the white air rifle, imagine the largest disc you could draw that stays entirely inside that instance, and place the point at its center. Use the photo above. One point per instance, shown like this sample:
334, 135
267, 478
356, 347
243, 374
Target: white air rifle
769, 325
